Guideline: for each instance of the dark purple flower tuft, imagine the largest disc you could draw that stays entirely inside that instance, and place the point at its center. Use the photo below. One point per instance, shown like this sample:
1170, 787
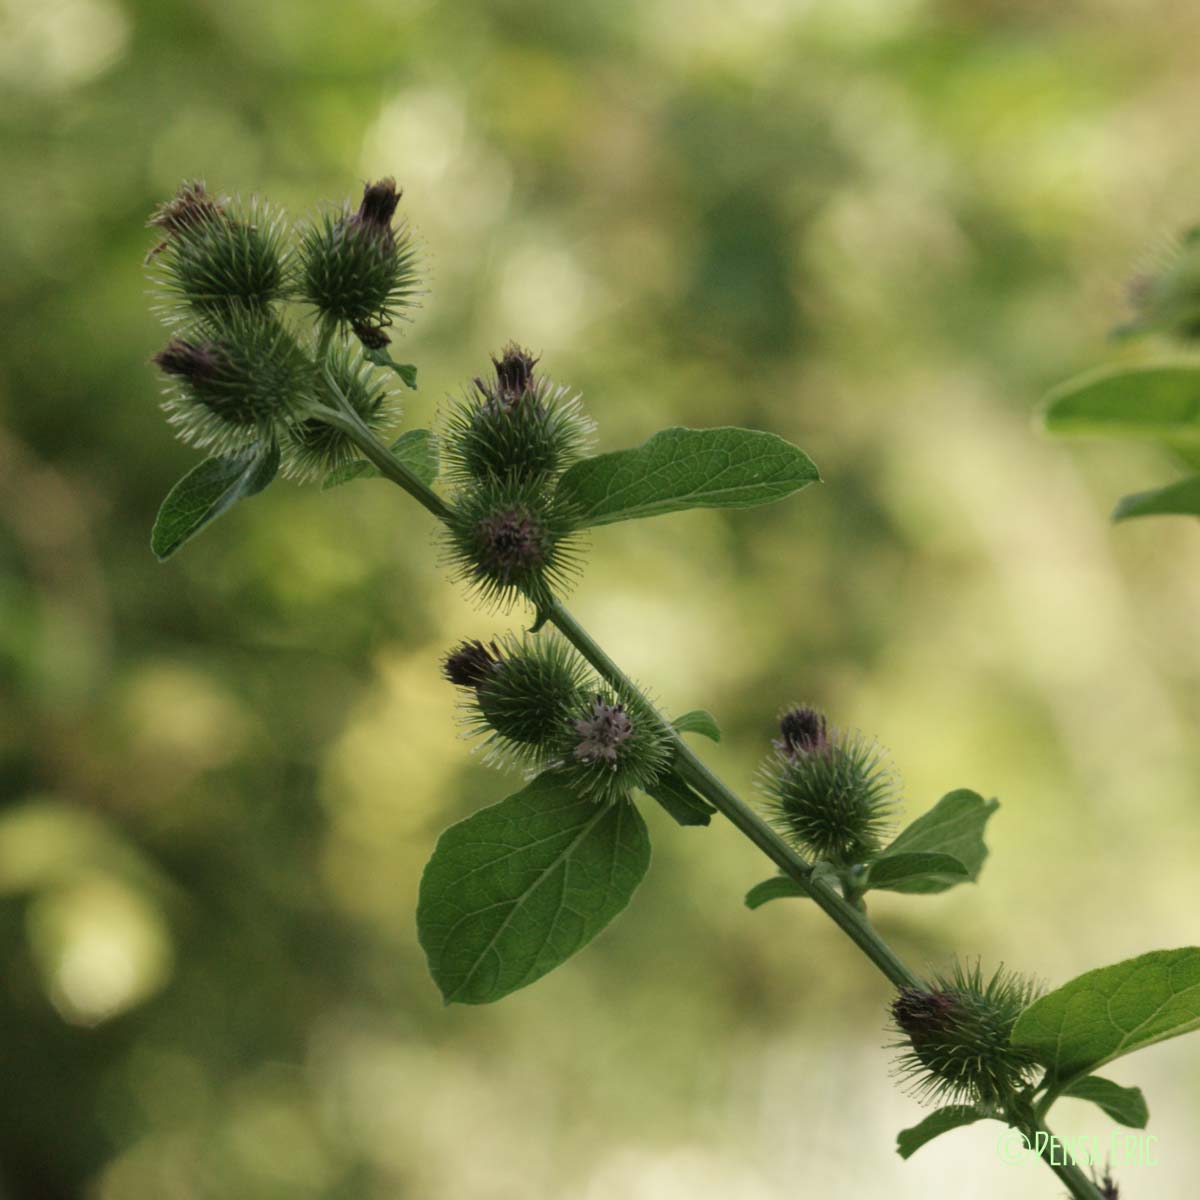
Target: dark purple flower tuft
194, 361
512, 543
802, 730
920, 1014
375, 213
514, 372
472, 664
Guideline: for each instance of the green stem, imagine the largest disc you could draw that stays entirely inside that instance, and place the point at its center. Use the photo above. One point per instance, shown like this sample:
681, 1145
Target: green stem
846, 916
1079, 1185
760, 832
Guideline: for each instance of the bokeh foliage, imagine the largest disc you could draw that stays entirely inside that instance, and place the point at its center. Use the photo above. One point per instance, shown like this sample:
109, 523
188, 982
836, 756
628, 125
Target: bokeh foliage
880, 228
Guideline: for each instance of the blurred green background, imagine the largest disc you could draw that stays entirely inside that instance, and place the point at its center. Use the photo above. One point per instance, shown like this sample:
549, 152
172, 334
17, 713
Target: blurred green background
880, 228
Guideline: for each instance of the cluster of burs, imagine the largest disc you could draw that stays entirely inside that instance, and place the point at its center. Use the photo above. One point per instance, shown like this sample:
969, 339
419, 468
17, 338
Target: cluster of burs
278, 340
278, 345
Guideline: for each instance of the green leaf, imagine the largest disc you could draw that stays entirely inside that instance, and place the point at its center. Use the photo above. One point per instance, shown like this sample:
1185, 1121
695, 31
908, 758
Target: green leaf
1112, 1011
698, 721
896, 872
516, 889
677, 797
207, 491
381, 358
1160, 402
687, 468
909, 1141
954, 826
1176, 499
778, 887
416, 449
1126, 1105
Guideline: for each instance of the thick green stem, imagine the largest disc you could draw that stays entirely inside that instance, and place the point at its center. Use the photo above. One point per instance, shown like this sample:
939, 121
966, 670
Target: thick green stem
845, 915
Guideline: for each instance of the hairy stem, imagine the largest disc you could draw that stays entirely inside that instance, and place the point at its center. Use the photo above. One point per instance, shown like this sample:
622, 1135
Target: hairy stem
845, 915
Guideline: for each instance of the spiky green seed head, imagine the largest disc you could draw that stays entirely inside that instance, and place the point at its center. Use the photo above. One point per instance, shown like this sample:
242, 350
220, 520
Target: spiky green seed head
514, 425
509, 540
312, 447
233, 377
217, 255
956, 1037
360, 268
521, 693
832, 794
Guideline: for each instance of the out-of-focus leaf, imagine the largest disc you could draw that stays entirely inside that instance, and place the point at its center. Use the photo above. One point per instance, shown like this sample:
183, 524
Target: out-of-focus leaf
1176, 499
1161, 402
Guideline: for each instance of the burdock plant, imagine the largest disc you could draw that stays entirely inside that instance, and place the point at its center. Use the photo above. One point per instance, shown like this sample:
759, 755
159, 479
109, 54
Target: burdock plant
276, 359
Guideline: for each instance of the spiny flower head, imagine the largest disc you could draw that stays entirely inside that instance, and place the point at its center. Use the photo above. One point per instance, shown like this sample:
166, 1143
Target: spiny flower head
516, 425
232, 378
312, 447
521, 693
217, 255
602, 733
956, 1037
509, 540
833, 794
360, 269
615, 743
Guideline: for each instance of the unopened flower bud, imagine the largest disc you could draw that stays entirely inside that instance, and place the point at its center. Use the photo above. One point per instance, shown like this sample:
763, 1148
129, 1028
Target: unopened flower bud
233, 379
514, 426
215, 255
359, 268
522, 693
956, 1037
832, 794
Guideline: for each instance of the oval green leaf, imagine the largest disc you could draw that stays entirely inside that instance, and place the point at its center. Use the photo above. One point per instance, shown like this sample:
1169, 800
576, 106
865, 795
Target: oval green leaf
779, 887
207, 491
1126, 1105
679, 468
898, 872
954, 1116
1160, 402
954, 827
518, 888
698, 721
1112, 1011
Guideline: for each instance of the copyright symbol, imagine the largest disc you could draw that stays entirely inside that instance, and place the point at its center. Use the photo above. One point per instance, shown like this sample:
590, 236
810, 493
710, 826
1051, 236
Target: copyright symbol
1013, 1146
